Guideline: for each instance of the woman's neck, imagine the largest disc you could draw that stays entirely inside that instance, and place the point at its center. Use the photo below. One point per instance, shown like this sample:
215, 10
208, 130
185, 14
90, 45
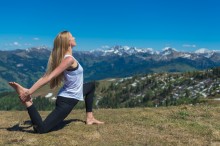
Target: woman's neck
69, 51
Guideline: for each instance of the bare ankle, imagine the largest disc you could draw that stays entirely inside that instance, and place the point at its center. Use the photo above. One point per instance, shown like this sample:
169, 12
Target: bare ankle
89, 115
28, 103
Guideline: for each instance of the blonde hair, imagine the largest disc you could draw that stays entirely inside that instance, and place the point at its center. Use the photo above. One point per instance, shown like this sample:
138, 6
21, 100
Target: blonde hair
60, 47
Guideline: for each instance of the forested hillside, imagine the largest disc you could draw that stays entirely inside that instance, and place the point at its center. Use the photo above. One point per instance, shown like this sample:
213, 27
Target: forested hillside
142, 90
161, 89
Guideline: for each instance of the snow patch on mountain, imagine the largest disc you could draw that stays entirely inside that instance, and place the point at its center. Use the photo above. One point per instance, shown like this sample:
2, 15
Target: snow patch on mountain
49, 95
186, 55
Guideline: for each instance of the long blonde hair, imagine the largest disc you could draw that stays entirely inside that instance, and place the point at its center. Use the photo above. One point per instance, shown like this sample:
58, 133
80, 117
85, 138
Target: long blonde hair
60, 47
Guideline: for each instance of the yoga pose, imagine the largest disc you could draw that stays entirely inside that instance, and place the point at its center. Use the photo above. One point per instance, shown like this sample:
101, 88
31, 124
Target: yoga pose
62, 66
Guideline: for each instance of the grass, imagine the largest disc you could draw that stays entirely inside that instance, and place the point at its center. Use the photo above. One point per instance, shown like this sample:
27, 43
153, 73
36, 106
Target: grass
180, 125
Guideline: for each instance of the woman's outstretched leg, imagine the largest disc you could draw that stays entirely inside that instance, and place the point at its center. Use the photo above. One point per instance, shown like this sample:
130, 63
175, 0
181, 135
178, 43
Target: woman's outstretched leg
33, 113
88, 92
63, 107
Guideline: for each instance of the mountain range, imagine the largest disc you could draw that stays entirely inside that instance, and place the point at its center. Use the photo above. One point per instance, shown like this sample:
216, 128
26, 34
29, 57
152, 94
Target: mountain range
26, 66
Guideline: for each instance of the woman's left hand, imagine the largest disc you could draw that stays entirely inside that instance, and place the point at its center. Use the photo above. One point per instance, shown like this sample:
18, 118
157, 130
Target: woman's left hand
24, 96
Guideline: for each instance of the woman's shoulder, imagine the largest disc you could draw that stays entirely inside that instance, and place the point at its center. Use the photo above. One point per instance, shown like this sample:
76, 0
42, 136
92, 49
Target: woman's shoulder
69, 58
67, 55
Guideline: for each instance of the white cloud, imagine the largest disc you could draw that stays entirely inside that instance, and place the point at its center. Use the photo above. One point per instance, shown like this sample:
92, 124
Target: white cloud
36, 39
16, 43
189, 46
105, 47
13, 44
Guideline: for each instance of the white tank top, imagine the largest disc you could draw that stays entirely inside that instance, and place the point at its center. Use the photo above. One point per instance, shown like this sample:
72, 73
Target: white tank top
73, 83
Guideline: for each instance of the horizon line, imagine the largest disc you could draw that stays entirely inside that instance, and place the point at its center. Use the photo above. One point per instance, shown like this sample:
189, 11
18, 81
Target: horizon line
110, 47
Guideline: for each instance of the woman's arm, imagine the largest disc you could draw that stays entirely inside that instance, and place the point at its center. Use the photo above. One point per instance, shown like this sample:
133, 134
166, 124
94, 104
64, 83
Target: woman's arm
68, 61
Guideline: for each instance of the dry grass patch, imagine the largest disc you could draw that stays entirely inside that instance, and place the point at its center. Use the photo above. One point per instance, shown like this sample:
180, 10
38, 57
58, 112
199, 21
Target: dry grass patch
183, 125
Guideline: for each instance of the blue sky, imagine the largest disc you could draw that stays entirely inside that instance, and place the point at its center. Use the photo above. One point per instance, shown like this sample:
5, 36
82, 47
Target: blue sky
185, 25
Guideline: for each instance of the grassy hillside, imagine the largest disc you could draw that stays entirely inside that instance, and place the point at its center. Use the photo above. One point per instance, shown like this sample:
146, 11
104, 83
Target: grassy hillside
182, 125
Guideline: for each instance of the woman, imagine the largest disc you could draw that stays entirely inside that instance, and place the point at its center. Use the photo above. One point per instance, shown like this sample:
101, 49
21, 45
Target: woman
62, 66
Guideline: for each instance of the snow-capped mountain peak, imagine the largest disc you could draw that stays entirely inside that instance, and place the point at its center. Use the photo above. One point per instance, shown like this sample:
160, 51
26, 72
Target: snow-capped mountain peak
168, 49
41, 48
202, 51
167, 53
124, 50
206, 53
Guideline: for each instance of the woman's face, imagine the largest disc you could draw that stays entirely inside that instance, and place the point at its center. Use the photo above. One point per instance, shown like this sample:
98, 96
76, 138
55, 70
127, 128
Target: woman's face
72, 40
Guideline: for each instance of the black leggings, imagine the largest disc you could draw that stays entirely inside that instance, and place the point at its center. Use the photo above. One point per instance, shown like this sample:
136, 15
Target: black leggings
63, 107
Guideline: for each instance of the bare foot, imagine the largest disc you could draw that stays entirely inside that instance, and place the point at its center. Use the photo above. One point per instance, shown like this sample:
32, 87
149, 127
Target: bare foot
93, 121
19, 89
